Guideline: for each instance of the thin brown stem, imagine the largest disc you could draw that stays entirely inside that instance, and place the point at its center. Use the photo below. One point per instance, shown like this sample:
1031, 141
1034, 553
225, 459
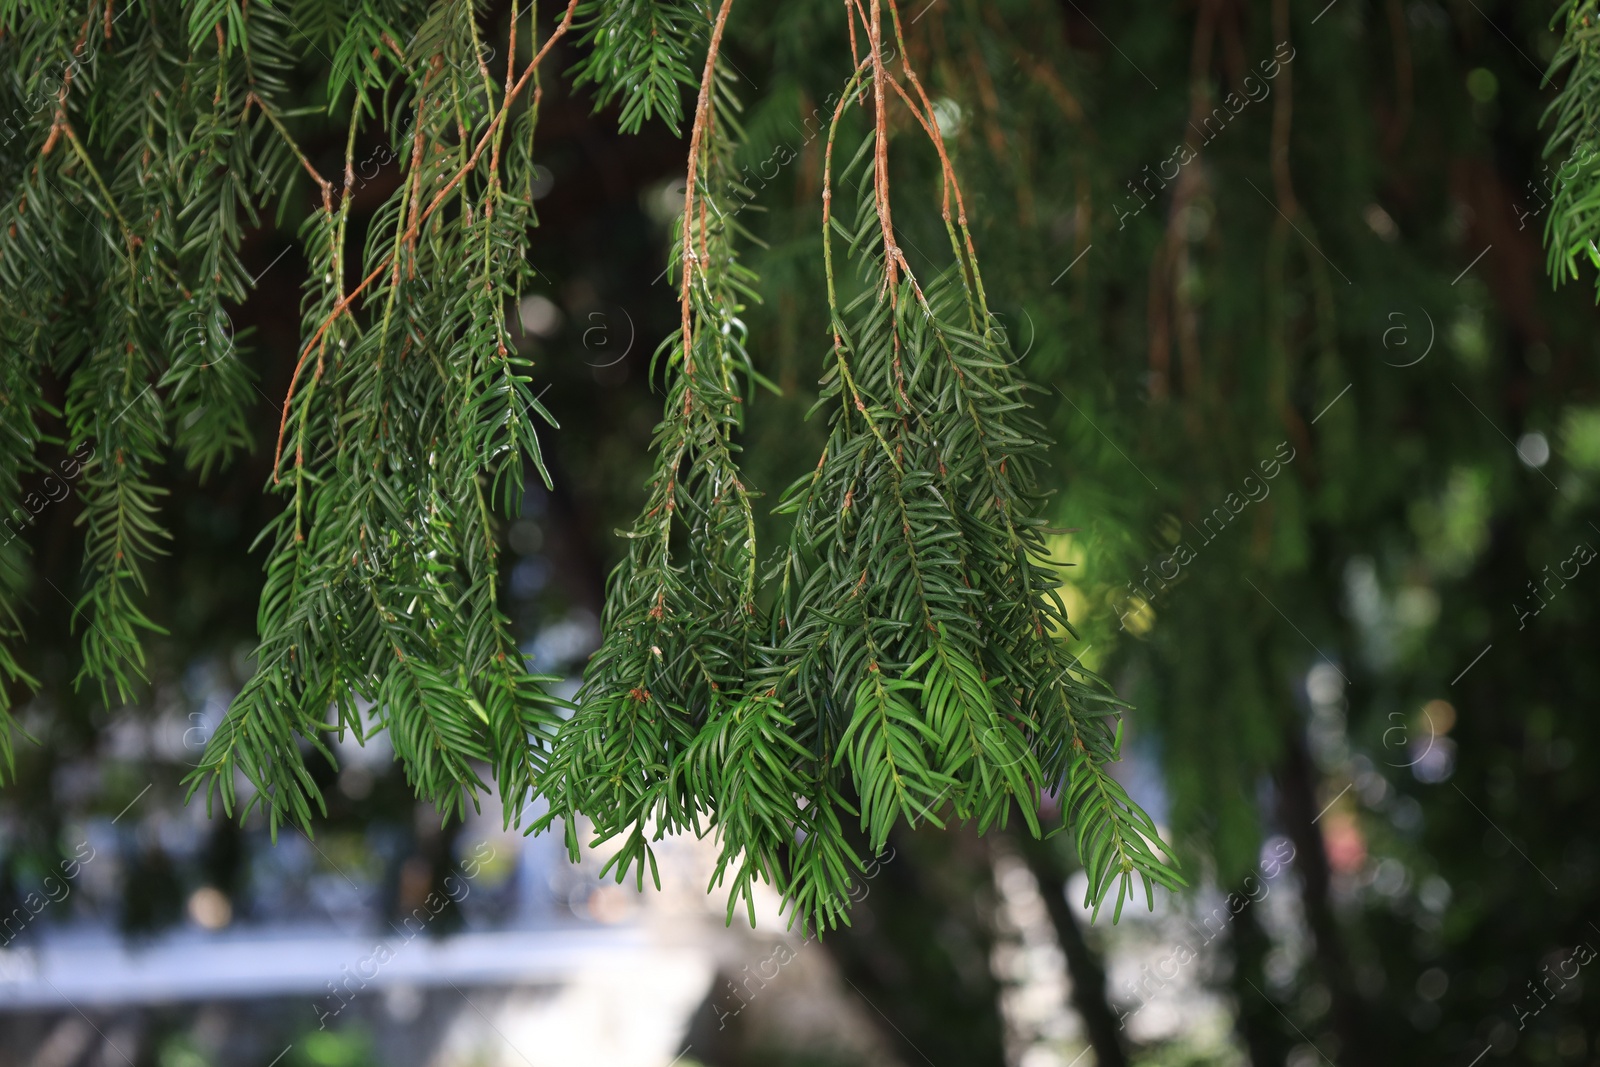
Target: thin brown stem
511, 52
327, 187
702, 112
1165, 294
414, 226
58, 126
937, 137
849, 19
880, 152
414, 222
851, 91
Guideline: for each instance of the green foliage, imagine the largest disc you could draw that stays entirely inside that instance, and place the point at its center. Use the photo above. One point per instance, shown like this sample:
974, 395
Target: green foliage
118, 257
140, 167
406, 430
641, 50
20, 400
679, 611
1573, 225
899, 657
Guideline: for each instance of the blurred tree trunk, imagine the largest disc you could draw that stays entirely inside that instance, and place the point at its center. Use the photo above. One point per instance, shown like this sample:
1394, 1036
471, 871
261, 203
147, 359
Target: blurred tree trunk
918, 946
1256, 1018
1083, 964
1298, 810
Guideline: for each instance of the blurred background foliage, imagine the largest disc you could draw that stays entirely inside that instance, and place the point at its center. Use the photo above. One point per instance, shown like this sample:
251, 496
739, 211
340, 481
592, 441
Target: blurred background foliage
1363, 652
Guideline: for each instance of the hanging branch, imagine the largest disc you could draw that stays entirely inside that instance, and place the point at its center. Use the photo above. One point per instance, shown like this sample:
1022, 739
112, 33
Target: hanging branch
678, 609
342, 306
900, 660
1572, 226
912, 667
944, 712
383, 581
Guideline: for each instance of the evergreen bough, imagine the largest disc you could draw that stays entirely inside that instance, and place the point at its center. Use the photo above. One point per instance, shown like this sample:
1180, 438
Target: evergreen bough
901, 656
1572, 227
